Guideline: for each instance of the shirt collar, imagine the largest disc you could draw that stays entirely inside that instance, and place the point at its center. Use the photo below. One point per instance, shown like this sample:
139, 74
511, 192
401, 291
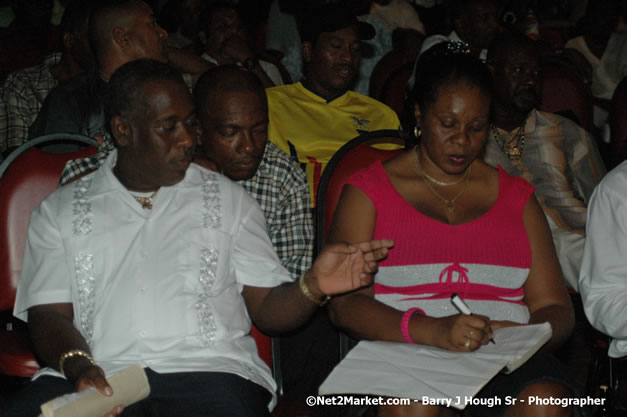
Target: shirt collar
209, 58
304, 84
530, 125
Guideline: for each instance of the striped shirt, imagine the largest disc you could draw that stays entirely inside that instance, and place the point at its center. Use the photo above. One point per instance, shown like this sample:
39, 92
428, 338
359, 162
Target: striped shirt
486, 261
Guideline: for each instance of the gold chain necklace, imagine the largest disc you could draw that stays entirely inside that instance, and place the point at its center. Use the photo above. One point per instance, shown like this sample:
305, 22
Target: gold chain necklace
450, 203
435, 180
146, 202
514, 149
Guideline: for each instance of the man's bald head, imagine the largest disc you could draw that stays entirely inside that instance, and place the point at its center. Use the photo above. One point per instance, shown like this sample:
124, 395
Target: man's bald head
124, 30
226, 78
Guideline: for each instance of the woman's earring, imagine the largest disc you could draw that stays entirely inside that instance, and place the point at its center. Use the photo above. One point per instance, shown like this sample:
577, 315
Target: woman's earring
417, 132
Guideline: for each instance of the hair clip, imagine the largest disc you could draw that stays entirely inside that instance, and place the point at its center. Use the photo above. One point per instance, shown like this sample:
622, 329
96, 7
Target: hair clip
457, 47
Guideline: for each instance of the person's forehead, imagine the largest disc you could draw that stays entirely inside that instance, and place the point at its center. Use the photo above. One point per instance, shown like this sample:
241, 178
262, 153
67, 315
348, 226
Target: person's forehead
224, 104
347, 34
519, 54
159, 96
224, 14
483, 6
141, 8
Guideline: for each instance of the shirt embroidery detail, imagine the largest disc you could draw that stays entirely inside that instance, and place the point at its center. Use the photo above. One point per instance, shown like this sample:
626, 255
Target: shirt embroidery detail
81, 208
206, 320
212, 217
86, 284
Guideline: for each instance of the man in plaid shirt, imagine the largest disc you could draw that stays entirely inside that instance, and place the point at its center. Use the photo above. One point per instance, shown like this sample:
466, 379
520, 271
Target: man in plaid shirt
233, 113
24, 91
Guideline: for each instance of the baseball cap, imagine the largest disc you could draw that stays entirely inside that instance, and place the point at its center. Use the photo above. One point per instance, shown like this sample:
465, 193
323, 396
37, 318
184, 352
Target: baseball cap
330, 18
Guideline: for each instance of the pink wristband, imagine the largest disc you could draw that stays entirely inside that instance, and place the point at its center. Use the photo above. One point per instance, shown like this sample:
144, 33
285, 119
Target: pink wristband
405, 324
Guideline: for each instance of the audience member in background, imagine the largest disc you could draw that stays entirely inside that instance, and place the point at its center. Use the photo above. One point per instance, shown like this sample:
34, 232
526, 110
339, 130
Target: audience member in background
283, 32
551, 152
312, 119
233, 113
170, 265
282, 38
119, 31
398, 13
225, 41
475, 22
603, 278
182, 20
390, 18
605, 50
460, 226
24, 92
29, 38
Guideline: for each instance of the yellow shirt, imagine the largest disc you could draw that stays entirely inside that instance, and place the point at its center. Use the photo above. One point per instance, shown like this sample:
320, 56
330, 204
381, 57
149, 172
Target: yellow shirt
311, 130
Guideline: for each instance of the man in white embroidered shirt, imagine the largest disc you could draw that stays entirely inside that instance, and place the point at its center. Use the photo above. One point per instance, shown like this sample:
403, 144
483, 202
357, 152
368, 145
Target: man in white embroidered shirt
156, 261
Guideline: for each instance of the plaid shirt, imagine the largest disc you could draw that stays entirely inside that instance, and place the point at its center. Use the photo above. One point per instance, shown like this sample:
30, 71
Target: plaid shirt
79, 167
279, 186
281, 189
22, 96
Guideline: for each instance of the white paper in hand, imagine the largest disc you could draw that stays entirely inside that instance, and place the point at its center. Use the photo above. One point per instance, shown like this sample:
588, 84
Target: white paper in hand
129, 386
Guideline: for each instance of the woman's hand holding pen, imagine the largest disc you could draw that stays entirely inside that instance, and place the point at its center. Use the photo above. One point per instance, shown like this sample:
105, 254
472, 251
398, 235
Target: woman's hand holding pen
462, 333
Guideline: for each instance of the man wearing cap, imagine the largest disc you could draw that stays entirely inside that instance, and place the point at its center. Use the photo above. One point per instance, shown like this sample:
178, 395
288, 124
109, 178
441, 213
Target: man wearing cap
314, 117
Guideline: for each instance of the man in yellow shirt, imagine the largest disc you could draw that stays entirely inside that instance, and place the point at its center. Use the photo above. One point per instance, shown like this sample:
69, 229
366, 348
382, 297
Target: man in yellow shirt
313, 118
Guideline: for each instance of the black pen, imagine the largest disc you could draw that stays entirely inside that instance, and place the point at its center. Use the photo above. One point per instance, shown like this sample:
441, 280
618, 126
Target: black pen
463, 308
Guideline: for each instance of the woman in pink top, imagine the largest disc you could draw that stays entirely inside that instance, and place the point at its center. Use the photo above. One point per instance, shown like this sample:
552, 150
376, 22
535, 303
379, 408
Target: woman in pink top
459, 226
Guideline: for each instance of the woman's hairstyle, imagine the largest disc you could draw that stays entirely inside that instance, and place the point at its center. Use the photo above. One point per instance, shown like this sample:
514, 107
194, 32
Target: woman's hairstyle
444, 64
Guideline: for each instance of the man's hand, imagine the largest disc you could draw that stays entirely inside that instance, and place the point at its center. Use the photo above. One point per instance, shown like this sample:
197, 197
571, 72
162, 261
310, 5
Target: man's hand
94, 377
342, 267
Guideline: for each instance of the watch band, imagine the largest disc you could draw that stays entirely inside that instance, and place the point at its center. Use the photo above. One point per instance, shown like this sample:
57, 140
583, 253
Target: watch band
303, 287
71, 354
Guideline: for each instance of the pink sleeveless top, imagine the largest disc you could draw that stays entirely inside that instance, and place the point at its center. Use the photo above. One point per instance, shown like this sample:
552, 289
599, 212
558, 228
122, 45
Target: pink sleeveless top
485, 261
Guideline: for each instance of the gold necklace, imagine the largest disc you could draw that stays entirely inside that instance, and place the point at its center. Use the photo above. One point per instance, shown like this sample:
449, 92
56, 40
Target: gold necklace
146, 202
435, 180
514, 148
450, 203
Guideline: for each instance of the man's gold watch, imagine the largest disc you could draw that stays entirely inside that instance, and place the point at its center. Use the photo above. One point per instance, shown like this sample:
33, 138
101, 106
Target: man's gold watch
303, 287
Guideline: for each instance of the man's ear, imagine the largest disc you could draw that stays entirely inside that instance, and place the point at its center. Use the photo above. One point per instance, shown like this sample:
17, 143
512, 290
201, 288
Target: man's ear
202, 36
121, 131
199, 133
120, 36
307, 51
417, 114
68, 40
491, 67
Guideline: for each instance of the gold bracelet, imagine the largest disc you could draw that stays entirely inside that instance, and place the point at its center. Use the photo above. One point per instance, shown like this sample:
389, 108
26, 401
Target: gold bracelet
71, 354
303, 287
